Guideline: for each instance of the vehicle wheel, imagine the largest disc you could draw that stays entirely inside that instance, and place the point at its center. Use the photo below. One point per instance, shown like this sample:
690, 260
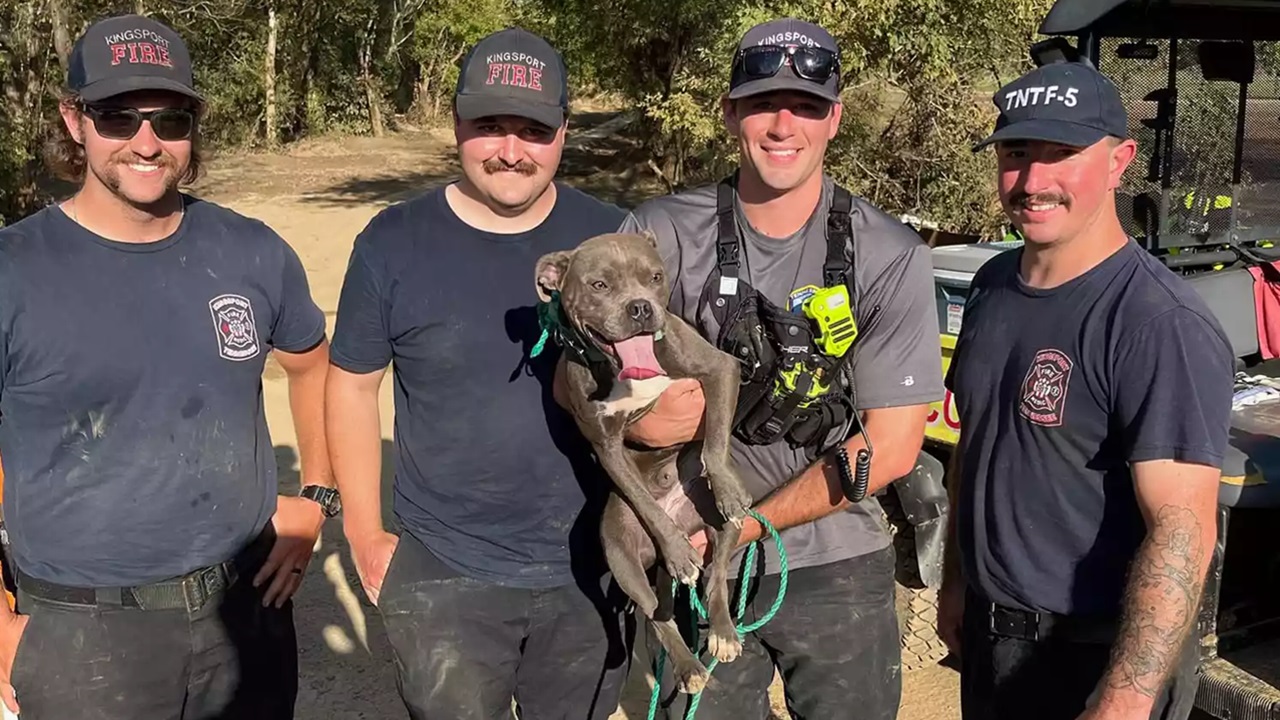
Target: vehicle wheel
917, 605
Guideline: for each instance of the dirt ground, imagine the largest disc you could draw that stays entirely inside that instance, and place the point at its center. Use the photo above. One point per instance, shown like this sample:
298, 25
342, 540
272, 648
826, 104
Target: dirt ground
318, 196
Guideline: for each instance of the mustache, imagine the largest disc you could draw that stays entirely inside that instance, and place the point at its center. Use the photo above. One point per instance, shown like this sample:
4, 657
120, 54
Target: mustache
164, 160
1023, 199
524, 167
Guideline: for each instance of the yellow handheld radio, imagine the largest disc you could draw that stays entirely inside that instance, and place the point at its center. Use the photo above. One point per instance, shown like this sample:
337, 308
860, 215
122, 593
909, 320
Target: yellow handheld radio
829, 307
795, 377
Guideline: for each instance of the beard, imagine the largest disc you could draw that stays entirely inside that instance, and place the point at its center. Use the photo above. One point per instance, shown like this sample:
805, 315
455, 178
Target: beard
111, 176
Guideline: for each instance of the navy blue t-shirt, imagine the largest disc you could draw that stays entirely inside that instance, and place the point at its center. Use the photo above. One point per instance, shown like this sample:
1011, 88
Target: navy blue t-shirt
132, 428
1059, 390
491, 474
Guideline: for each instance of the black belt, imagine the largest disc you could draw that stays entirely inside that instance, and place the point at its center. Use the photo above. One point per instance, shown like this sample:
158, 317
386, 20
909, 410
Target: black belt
190, 592
1036, 626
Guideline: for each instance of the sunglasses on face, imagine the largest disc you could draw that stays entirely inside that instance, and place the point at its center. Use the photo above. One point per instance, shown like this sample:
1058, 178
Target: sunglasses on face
123, 123
811, 63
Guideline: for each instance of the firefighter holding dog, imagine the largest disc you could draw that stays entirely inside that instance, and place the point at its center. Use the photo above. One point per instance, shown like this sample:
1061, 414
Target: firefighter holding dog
829, 303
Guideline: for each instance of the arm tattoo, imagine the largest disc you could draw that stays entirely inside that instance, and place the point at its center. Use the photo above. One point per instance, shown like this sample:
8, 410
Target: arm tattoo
1160, 604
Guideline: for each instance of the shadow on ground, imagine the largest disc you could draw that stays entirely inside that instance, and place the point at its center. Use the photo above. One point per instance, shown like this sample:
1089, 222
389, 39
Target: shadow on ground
345, 667
600, 158
383, 189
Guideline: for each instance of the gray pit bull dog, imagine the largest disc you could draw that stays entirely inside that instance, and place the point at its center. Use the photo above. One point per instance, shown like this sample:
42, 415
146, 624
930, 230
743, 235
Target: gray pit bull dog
613, 293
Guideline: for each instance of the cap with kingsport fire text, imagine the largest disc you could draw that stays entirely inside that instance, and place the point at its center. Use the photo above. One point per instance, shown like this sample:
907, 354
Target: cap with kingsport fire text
513, 72
1063, 102
785, 32
127, 53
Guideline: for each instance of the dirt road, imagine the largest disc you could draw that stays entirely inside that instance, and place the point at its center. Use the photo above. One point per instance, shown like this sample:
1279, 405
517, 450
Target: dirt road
319, 196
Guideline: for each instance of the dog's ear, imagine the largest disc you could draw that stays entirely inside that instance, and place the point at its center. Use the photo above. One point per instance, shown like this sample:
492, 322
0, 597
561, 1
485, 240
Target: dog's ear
650, 236
550, 272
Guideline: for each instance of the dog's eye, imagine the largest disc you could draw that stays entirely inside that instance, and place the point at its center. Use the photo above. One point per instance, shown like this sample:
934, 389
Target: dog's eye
599, 285
657, 277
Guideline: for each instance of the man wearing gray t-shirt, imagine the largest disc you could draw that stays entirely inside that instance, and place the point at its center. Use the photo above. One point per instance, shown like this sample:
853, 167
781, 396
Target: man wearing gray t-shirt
748, 260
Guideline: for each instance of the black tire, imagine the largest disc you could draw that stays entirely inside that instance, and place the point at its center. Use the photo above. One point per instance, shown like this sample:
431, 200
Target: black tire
916, 604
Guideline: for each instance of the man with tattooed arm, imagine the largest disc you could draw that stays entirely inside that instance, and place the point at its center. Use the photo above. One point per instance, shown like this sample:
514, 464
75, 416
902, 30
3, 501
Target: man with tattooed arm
1094, 390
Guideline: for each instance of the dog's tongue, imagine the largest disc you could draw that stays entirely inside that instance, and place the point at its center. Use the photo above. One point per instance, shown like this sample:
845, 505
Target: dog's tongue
638, 361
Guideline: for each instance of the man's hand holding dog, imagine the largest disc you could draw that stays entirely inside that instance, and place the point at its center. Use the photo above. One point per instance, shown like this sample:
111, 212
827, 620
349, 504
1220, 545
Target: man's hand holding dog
676, 417
372, 554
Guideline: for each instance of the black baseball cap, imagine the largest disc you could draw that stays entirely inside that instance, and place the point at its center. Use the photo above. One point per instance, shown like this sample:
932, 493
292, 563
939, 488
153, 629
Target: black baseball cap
126, 53
787, 32
1071, 103
513, 72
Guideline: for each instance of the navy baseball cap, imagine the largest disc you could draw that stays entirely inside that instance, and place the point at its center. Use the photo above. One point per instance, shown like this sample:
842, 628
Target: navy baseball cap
126, 53
787, 33
1063, 102
513, 72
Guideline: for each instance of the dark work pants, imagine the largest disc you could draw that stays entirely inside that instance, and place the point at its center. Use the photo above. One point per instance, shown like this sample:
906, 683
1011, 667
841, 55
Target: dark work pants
834, 640
230, 660
464, 648
1005, 678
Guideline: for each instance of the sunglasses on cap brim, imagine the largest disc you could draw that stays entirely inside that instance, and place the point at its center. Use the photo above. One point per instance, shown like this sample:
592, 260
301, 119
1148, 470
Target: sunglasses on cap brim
121, 123
811, 63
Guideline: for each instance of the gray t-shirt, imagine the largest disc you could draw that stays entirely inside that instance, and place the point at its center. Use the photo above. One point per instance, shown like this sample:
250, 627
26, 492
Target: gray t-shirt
898, 361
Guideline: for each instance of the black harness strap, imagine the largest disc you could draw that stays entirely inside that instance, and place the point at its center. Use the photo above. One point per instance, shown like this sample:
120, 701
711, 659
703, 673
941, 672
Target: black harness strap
727, 246
835, 271
744, 317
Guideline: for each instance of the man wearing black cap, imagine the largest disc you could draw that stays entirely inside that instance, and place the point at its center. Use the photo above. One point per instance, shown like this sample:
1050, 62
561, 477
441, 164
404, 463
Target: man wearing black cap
1094, 388
748, 258
494, 588
154, 561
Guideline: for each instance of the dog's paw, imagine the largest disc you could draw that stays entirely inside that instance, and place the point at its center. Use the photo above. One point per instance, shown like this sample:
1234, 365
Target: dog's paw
692, 679
725, 647
683, 562
732, 499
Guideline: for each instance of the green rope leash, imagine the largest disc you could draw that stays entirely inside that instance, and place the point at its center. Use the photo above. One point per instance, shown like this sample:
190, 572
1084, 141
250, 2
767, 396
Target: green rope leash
747, 561
548, 320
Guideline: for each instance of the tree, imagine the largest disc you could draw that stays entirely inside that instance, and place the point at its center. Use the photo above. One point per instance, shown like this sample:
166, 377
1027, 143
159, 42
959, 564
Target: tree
918, 76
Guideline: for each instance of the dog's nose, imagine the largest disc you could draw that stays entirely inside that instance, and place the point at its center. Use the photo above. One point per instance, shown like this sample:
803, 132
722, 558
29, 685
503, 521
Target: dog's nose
639, 309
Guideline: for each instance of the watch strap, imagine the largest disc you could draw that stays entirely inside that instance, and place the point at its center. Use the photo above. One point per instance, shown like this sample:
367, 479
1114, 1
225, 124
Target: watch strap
324, 496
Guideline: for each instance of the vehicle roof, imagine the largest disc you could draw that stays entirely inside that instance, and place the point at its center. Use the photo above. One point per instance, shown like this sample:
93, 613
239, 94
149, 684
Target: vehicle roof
1196, 19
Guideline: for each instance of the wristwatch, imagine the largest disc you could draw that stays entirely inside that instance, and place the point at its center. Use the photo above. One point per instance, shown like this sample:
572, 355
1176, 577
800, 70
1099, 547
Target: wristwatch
327, 497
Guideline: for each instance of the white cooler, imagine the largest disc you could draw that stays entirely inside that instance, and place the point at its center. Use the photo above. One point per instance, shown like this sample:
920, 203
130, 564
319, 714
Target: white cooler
953, 270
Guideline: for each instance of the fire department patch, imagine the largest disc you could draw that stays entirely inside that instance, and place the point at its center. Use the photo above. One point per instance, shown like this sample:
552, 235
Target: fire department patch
237, 331
1044, 391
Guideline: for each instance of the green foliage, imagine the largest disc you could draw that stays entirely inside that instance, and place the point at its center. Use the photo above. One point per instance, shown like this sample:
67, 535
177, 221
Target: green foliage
24, 55
918, 76
922, 72
442, 34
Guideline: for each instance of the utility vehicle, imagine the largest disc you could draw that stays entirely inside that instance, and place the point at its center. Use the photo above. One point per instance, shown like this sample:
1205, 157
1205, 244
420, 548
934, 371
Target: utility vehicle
1201, 83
